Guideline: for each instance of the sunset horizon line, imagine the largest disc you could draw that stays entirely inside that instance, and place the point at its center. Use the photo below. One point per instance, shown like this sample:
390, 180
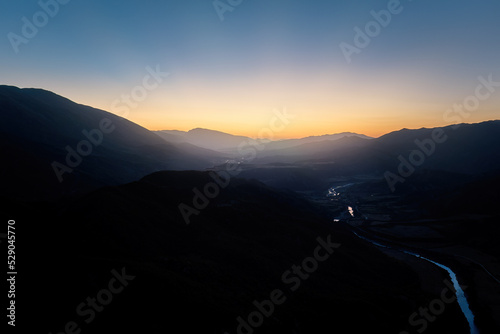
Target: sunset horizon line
370, 126
324, 134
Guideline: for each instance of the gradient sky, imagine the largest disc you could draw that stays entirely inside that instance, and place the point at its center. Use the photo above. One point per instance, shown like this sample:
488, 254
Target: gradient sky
230, 75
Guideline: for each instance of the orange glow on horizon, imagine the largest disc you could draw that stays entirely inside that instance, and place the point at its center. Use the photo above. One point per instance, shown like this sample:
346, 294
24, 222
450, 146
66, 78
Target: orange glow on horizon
323, 101
319, 131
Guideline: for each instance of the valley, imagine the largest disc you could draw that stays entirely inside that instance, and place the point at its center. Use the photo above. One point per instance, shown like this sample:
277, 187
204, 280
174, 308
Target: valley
250, 167
208, 233
380, 220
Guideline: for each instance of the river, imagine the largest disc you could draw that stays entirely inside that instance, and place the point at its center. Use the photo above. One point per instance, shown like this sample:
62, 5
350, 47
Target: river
461, 298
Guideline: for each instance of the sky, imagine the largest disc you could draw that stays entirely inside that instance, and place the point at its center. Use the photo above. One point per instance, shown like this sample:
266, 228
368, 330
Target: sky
231, 68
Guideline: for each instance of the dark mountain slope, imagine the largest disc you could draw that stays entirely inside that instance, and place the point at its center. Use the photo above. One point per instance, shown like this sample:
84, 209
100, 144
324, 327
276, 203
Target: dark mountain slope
466, 148
37, 126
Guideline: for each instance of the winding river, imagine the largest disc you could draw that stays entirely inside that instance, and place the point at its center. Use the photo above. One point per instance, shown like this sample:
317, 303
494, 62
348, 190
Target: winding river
461, 298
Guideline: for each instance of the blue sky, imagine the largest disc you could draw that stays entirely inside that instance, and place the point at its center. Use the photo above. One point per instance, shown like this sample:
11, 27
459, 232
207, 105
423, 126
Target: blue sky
229, 75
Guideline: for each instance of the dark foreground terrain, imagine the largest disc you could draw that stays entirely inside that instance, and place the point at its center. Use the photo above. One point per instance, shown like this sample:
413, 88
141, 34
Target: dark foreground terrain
236, 253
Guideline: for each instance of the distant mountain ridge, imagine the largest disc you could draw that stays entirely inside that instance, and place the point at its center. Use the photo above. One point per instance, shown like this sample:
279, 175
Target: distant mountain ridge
467, 148
39, 128
217, 140
209, 139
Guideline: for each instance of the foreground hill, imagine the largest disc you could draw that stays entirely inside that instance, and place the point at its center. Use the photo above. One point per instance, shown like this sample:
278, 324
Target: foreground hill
203, 276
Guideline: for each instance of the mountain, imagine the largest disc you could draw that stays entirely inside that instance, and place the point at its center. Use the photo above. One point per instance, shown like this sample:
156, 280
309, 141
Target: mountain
313, 150
463, 148
216, 140
209, 139
289, 143
53, 146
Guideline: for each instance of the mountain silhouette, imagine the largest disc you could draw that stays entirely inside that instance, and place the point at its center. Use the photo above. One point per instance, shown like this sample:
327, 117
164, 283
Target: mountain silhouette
465, 148
114, 194
217, 140
210, 139
53, 146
